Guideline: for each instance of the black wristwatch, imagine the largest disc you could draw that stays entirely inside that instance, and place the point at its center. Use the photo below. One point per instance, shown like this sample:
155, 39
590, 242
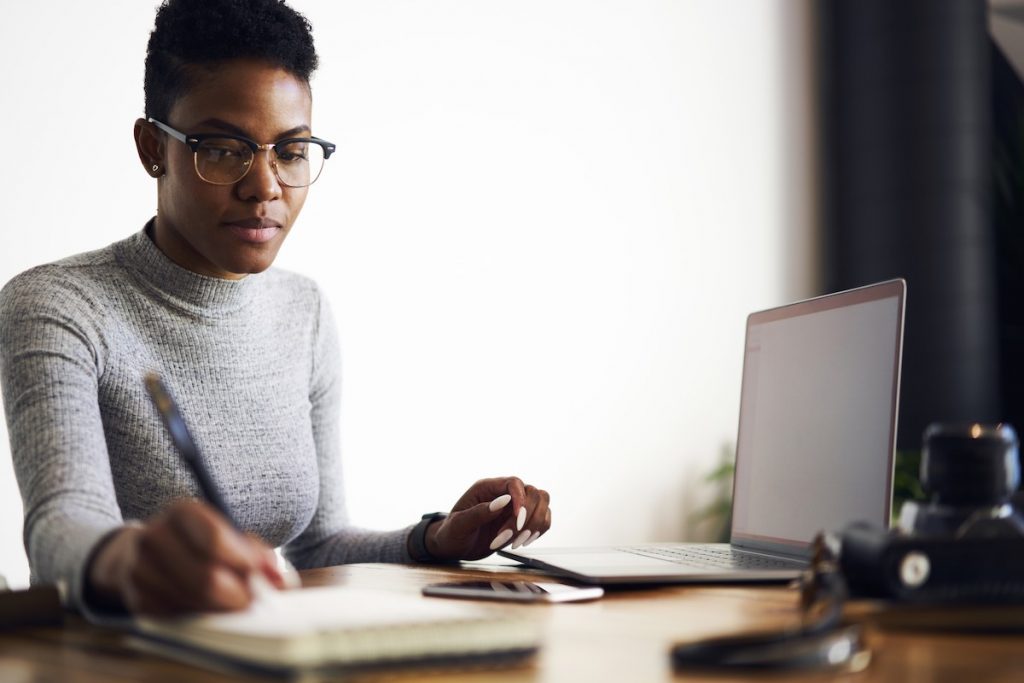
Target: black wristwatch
418, 538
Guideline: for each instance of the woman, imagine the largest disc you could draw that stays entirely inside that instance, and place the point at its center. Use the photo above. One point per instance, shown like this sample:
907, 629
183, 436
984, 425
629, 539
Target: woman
249, 352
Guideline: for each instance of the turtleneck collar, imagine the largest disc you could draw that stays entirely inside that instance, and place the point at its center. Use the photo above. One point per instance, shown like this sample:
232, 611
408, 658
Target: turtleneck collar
195, 293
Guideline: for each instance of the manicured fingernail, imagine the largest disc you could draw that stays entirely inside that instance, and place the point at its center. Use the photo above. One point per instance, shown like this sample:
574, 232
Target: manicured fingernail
536, 535
499, 502
290, 575
261, 587
521, 519
501, 539
292, 580
523, 535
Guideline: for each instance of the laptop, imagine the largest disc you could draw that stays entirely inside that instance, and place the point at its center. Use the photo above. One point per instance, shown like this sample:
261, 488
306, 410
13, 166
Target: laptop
815, 450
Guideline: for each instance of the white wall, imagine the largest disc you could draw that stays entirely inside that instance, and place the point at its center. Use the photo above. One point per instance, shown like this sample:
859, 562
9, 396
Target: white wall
541, 233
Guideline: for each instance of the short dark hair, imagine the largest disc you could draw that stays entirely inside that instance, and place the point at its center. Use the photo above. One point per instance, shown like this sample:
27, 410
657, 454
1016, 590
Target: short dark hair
192, 34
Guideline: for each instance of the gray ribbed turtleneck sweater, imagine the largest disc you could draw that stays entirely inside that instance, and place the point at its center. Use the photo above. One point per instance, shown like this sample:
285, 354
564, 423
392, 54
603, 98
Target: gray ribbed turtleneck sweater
254, 365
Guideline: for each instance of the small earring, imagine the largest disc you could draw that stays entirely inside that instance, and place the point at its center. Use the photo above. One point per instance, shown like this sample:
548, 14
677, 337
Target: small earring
156, 167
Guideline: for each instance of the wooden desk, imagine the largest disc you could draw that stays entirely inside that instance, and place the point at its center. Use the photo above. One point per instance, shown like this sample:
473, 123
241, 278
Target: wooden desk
624, 637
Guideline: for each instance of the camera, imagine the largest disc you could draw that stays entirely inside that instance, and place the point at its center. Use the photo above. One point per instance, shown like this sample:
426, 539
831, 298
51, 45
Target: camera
970, 473
965, 543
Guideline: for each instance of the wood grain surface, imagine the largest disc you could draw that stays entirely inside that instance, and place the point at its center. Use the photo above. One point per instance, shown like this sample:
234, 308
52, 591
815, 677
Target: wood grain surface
626, 637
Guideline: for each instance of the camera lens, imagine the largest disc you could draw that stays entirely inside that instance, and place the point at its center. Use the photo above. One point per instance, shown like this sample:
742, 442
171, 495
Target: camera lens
972, 464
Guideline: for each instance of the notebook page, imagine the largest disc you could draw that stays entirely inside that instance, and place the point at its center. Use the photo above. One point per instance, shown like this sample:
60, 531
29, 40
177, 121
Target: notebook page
329, 609
342, 625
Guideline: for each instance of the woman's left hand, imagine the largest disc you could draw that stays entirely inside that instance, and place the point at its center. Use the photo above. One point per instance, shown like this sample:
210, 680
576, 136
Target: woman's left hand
489, 516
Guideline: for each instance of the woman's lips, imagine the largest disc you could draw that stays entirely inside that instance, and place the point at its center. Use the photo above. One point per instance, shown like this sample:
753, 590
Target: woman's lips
254, 230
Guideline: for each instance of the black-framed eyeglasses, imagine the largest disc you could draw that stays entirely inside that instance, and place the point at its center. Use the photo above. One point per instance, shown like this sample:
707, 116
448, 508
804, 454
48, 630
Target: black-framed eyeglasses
224, 159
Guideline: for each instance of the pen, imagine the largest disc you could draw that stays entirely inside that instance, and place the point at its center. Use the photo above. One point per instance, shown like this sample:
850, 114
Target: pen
186, 445
189, 451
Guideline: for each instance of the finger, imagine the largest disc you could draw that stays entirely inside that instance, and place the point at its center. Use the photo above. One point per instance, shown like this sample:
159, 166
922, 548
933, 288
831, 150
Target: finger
537, 506
466, 522
545, 519
492, 501
163, 565
482, 491
210, 535
527, 512
267, 563
515, 488
147, 593
489, 490
289, 572
209, 588
167, 561
467, 534
502, 539
160, 563
166, 579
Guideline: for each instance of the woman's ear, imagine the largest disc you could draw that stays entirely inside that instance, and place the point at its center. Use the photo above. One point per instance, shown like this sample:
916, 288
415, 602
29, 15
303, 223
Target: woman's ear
150, 145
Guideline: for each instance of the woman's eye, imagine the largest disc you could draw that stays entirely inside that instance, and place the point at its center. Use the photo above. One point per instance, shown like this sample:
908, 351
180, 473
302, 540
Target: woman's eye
292, 153
221, 153
215, 152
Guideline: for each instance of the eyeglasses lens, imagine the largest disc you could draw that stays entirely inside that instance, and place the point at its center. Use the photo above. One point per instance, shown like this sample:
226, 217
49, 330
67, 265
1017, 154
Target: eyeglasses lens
224, 161
299, 163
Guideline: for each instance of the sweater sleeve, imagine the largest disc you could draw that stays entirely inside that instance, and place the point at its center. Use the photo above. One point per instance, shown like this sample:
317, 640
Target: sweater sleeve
50, 363
330, 539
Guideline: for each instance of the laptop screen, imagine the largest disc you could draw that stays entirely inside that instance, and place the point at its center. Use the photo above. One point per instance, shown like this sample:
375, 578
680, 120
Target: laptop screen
817, 424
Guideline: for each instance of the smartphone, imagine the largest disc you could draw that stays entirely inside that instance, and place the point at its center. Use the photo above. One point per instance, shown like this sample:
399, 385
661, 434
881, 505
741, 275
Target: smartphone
514, 591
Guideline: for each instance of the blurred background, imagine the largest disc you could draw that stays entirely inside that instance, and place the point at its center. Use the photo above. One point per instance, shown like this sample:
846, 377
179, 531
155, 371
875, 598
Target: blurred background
547, 221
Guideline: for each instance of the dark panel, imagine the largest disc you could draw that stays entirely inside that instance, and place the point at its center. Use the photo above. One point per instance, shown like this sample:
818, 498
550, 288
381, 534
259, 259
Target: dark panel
906, 122
1008, 207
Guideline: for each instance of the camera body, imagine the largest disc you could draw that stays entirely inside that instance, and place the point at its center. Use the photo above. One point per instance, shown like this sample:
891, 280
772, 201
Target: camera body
966, 543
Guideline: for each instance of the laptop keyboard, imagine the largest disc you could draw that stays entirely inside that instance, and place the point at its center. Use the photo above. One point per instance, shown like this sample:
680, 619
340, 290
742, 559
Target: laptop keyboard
707, 557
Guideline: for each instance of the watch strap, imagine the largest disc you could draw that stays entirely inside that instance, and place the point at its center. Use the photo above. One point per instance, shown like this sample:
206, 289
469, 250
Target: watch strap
418, 538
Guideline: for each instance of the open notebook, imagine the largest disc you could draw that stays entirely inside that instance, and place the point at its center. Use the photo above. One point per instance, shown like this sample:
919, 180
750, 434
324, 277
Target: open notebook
341, 627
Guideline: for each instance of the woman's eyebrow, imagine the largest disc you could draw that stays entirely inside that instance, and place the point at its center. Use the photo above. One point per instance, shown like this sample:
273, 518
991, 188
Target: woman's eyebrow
231, 128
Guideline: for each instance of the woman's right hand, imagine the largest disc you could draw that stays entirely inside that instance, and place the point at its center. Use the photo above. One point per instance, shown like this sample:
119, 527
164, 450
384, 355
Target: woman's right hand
186, 559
